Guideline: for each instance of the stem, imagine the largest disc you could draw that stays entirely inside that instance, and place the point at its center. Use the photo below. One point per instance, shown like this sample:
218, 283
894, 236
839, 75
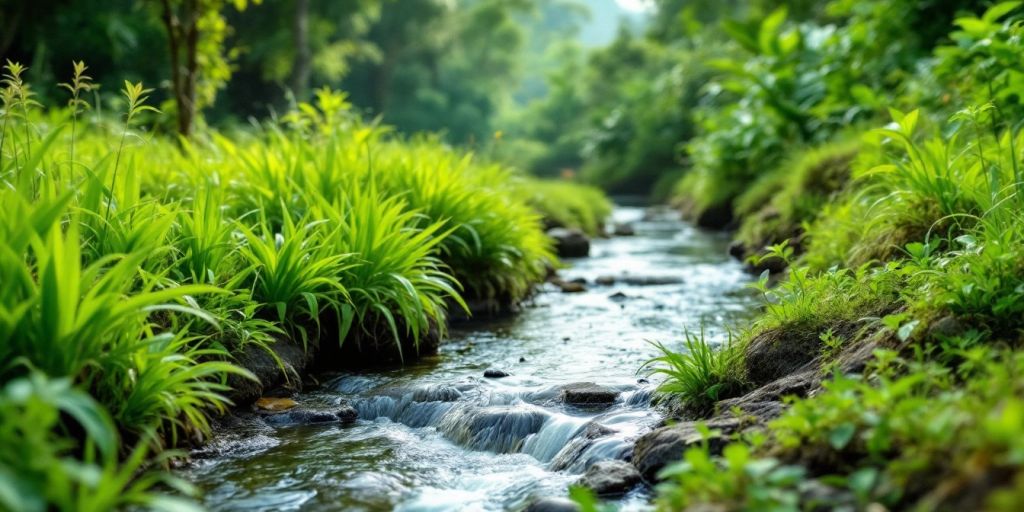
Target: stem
113, 181
3, 138
71, 153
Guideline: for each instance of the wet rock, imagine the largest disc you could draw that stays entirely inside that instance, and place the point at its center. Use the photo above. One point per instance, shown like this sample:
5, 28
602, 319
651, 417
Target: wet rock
300, 416
605, 280
623, 229
522, 359
737, 250
945, 327
494, 373
569, 287
776, 353
553, 505
439, 393
660, 447
570, 243
618, 297
578, 280
587, 394
765, 403
611, 477
571, 455
277, 374
494, 429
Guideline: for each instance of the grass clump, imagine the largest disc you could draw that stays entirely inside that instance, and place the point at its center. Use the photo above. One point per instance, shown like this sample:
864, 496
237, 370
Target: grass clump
568, 205
135, 274
700, 375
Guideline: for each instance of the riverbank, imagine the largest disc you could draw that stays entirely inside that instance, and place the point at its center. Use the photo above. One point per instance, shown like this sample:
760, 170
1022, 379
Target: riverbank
151, 284
884, 370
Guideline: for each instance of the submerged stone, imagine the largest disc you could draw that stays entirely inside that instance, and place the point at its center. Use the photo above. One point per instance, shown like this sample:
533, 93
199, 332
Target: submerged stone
494, 429
658, 448
494, 373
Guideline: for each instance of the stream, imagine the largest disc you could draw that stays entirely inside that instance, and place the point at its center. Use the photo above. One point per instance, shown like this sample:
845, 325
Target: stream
438, 435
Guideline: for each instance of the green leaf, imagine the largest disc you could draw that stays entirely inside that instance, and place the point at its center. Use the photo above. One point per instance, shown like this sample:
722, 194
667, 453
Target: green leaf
996, 12
841, 435
907, 329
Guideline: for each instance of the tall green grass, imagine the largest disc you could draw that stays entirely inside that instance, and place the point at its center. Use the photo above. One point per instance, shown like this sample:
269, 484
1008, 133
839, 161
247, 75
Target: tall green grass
134, 267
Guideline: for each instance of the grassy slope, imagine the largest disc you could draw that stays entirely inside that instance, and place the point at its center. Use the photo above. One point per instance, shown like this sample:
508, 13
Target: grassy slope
905, 297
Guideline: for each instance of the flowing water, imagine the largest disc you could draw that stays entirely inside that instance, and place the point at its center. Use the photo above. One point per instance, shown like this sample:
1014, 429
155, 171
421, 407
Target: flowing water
440, 436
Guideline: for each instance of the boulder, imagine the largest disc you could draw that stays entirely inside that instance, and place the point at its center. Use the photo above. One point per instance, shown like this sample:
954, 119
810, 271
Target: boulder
494, 373
310, 416
946, 327
611, 477
605, 280
663, 446
588, 393
277, 374
776, 353
570, 243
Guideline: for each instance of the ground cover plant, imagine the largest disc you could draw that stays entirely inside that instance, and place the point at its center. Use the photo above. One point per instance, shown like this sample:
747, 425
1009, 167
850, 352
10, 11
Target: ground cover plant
916, 265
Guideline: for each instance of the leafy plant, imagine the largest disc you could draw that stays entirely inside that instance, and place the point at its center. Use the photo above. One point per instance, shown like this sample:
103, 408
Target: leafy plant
702, 374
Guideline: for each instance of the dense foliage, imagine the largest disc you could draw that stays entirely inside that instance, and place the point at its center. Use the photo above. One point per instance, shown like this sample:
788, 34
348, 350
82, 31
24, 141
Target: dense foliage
135, 268
903, 236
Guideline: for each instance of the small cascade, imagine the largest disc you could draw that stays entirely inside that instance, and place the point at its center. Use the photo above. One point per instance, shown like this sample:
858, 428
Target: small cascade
552, 437
497, 429
642, 397
418, 407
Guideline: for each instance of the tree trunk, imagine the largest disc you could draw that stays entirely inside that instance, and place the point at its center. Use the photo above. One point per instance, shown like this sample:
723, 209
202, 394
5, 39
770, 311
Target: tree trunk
187, 111
302, 67
183, 67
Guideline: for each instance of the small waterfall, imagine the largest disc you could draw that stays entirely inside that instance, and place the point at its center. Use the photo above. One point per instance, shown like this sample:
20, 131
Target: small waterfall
501, 421
499, 429
612, 447
419, 407
642, 397
553, 436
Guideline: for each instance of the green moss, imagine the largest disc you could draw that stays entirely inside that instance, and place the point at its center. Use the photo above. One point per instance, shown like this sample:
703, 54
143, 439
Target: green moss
779, 204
